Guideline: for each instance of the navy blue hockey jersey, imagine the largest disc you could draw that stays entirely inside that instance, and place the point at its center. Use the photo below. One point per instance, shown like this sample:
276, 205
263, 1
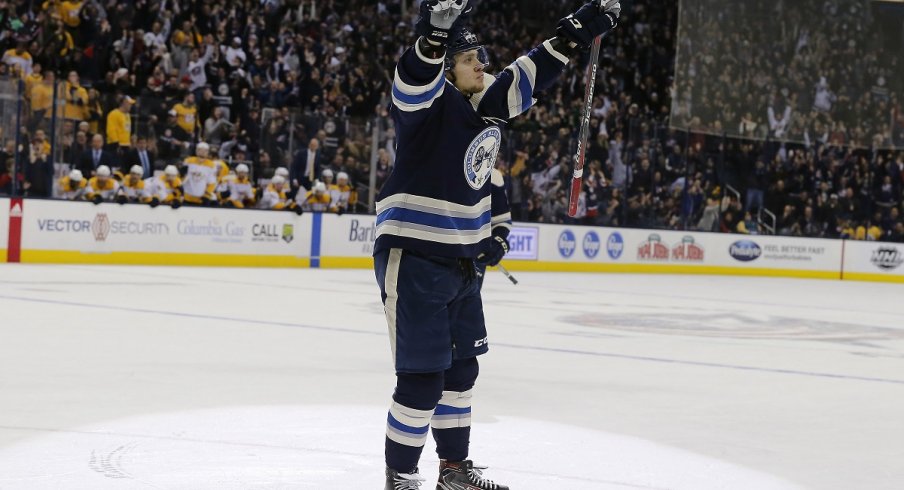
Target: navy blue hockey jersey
437, 199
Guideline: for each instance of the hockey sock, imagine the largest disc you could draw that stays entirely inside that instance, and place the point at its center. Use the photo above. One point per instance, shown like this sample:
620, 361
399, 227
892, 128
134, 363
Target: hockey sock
408, 423
451, 420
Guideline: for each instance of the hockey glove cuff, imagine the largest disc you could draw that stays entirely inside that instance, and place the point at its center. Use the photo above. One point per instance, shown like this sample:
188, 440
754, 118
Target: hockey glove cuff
493, 251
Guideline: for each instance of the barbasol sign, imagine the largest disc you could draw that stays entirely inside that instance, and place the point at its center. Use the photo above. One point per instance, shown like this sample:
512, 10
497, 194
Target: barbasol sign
591, 244
567, 244
524, 243
745, 250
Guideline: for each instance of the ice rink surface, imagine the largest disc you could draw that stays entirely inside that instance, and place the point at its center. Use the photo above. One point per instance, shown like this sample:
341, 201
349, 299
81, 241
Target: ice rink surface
196, 378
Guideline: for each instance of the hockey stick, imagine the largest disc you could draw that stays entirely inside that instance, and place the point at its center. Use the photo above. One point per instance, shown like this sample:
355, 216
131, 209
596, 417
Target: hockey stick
507, 274
577, 177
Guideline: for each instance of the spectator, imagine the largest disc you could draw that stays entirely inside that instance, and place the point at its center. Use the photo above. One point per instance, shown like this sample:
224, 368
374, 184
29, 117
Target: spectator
142, 156
75, 97
95, 156
119, 128
187, 114
19, 60
216, 127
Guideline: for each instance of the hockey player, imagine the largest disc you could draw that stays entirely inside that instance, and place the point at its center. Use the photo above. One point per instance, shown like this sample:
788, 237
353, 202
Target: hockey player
342, 194
72, 186
274, 196
133, 188
316, 200
101, 187
200, 177
167, 188
240, 190
434, 224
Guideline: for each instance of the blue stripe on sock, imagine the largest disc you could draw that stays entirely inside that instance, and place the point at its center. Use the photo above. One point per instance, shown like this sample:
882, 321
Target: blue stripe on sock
406, 428
447, 410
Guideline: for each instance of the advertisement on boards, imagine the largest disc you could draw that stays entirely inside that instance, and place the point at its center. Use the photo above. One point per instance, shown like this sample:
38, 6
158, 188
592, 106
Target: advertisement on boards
873, 260
524, 243
105, 228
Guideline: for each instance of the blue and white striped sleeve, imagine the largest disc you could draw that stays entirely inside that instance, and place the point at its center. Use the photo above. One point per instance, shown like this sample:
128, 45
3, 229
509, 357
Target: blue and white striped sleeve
501, 215
418, 83
512, 92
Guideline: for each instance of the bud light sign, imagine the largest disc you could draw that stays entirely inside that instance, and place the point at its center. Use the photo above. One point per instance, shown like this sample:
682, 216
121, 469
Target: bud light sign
615, 245
567, 244
745, 250
524, 243
591, 244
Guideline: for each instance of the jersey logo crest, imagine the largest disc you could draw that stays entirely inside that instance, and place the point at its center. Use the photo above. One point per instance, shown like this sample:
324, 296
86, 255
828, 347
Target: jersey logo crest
481, 157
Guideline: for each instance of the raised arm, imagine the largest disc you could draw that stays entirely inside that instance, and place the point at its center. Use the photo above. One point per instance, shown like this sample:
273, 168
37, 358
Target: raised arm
512, 92
419, 78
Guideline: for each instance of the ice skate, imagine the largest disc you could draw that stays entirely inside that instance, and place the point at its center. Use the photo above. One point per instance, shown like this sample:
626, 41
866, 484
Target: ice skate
463, 475
402, 481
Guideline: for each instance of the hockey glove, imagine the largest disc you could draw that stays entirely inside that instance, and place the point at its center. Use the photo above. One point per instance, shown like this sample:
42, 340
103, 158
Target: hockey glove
97, 199
494, 249
590, 21
121, 199
176, 204
298, 210
154, 202
441, 20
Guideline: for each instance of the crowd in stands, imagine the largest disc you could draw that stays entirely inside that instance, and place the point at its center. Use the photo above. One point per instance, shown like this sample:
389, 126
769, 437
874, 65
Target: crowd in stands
808, 71
283, 85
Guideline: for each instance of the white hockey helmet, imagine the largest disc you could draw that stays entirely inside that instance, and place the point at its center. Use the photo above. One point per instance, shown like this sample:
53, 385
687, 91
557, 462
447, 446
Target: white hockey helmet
282, 172
76, 175
241, 169
278, 180
137, 170
202, 146
103, 171
319, 187
326, 173
341, 176
171, 171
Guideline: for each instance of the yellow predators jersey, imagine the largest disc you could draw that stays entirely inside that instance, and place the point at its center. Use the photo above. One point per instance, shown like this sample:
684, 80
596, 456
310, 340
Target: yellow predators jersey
186, 117
222, 169
165, 189
76, 99
41, 97
316, 202
135, 189
69, 12
200, 179
273, 198
106, 188
241, 191
342, 196
119, 128
20, 65
72, 190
